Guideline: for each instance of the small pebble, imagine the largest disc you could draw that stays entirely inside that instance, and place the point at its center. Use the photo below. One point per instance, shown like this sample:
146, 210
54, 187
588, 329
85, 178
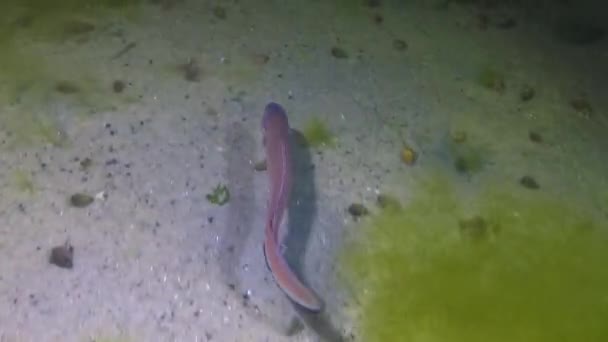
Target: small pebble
80, 200
399, 45
62, 256
338, 53
118, 86
529, 182
357, 210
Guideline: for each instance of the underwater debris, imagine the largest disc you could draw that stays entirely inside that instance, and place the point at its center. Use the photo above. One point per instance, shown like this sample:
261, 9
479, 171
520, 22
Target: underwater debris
80, 200
399, 45
529, 182
408, 155
527, 93
220, 195
62, 256
124, 50
317, 134
357, 210
339, 53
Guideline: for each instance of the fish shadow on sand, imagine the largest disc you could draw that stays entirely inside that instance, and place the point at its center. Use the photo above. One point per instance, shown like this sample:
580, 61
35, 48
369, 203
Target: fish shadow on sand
302, 210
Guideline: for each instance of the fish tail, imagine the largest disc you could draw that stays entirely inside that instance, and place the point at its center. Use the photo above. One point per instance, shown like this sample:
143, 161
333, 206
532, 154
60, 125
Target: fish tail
287, 280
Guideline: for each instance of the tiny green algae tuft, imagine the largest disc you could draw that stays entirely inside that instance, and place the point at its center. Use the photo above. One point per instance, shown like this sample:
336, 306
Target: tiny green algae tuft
507, 265
317, 134
219, 196
23, 181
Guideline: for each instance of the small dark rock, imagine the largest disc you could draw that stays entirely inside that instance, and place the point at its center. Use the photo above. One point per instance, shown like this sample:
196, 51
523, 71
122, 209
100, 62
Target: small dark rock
535, 137
118, 86
260, 166
399, 45
338, 53
357, 210
529, 182
527, 93
85, 164
80, 200
62, 256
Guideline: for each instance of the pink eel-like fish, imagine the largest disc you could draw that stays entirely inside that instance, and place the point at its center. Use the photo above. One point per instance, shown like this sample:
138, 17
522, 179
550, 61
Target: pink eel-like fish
279, 167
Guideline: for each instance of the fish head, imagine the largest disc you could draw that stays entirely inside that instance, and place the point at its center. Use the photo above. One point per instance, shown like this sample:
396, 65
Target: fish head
274, 114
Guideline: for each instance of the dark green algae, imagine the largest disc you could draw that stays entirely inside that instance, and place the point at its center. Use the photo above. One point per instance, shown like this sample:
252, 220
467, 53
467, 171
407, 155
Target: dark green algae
536, 273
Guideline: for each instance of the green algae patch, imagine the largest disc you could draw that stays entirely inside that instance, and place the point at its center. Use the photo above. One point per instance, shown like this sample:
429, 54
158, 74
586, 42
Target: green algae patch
503, 265
29, 28
317, 134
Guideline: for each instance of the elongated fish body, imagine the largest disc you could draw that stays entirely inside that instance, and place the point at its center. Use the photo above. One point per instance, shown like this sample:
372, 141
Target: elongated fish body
279, 168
